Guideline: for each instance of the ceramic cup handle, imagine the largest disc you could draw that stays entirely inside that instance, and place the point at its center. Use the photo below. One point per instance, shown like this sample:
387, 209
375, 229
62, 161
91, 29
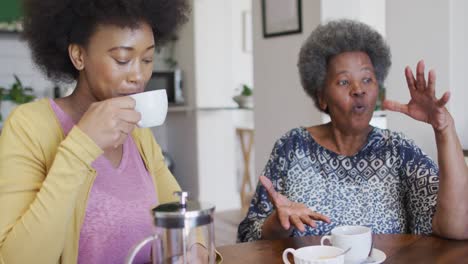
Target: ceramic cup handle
285, 254
324, 238
138, 247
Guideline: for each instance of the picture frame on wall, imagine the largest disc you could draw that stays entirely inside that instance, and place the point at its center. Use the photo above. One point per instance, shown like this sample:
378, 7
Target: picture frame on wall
281, 17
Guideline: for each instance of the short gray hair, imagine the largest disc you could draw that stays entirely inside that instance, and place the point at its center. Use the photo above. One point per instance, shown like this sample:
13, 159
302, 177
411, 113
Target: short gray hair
336, 37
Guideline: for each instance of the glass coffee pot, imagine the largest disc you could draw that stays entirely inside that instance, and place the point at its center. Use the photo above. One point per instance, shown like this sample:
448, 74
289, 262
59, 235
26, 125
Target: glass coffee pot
184, 233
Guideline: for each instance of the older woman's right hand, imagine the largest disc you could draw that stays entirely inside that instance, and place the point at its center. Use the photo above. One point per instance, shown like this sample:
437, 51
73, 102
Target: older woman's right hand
109, 122
288, 213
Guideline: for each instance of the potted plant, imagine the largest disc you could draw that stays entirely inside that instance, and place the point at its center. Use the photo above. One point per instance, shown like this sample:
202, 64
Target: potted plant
245, 98
10, 98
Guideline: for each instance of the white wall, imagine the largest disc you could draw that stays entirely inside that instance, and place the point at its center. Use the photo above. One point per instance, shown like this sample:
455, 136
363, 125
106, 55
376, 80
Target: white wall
221, 63
241, 56
335, 9
371, 12
220, 66
216, 159
213, 43
416, 30
280, 101
459, 57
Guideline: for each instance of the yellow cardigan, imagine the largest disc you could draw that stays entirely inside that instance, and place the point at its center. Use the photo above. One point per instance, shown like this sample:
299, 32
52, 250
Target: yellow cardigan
45, 179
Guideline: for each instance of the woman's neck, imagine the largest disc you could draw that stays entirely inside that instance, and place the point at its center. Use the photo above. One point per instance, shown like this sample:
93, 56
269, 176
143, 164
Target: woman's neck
342, 141
77, 103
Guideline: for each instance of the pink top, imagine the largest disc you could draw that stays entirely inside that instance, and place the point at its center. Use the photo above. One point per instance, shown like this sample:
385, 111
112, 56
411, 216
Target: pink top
118, 213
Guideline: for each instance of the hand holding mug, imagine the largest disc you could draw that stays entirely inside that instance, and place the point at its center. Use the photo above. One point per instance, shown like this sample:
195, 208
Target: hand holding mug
291, 213
109, 122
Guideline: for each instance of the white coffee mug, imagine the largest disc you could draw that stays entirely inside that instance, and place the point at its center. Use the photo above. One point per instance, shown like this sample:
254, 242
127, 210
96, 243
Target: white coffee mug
152, 106
358, 238
315, 255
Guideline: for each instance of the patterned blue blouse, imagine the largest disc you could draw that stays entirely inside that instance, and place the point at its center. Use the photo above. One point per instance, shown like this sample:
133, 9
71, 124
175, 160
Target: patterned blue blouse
390, 185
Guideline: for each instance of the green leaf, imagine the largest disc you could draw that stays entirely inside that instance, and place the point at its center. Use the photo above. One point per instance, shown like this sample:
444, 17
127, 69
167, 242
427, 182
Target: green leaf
18, 81
246, 90
28, 98
18, 93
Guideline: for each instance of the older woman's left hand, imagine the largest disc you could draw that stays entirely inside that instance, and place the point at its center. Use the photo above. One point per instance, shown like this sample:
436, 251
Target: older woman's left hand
423, 106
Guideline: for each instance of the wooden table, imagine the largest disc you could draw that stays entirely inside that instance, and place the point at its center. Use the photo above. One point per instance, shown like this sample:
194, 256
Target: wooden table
398, 248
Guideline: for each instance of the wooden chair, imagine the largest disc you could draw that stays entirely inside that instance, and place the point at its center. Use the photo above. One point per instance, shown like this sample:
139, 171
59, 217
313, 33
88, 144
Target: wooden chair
246, 190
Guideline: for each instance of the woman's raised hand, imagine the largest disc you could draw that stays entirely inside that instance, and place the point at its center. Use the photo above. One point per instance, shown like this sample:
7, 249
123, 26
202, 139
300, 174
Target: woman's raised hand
109, 122
423, 105
291, 213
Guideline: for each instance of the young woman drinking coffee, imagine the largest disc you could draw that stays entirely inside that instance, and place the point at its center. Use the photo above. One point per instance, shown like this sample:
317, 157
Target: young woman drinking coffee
77, 177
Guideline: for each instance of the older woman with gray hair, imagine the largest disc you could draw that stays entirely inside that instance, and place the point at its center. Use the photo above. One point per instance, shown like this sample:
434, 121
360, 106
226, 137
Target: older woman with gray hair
349, 171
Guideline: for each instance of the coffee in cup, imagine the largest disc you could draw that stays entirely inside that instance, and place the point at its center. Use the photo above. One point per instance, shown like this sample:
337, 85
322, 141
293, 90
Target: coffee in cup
358, 238
152, 106
315, 255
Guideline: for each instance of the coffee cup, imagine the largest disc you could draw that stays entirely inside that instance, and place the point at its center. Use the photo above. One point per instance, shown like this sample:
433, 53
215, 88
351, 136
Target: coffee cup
315, 255
152, 106
358, 238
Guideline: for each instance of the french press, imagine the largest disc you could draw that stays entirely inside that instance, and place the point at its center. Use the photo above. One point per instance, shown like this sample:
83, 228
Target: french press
184, 233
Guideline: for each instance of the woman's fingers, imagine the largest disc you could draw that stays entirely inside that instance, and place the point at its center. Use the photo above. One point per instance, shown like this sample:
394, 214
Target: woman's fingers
121, 139
125, 127
284, 220
395, 106
431, 80
109, 122
291, 213
266, 183
319, 216
299, 215
444, 99
300, 220
125, 102
423, 105
419, 83
410, 81
129, 115
275, 197
420, 79
296, 221
308, 221
268, 186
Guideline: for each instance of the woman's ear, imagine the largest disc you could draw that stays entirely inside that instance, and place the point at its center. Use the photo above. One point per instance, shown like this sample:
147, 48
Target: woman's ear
75, 52
321, 101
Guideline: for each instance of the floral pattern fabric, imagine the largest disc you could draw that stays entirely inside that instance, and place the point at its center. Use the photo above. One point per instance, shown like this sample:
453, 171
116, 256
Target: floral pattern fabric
389, 185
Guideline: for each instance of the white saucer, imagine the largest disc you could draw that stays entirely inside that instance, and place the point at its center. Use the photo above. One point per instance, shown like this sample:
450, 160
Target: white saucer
378, 256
